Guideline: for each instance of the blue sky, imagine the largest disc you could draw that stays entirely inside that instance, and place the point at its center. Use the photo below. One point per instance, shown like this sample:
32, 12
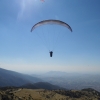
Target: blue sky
23, 51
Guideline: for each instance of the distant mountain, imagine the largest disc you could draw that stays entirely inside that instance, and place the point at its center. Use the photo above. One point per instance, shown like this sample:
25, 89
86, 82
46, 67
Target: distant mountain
41, 85
51, 74
11, 78
72, 80
29, 86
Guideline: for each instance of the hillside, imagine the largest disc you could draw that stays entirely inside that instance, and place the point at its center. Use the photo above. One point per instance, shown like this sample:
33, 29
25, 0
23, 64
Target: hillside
41, 85
11, 78
42, 94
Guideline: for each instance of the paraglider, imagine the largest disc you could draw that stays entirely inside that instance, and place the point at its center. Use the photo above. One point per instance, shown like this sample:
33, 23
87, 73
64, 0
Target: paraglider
51, 53
51, 21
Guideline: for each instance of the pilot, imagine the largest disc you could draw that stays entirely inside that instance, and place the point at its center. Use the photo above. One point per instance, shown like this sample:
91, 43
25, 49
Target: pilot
51, 53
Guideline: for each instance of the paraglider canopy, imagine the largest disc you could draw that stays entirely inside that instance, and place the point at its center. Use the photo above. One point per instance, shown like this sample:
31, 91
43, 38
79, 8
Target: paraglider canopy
51, 21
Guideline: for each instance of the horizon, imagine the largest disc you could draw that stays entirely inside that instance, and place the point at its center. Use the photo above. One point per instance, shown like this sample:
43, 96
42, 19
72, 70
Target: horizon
52, 71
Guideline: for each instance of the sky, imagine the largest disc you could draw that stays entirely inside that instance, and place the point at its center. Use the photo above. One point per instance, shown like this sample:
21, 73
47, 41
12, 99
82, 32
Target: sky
28, 52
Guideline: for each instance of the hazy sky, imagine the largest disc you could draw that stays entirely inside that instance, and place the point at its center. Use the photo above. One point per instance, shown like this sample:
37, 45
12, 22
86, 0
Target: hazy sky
25, 51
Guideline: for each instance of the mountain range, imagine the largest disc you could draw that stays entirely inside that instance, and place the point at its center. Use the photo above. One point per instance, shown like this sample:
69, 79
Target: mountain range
11, 78
75, 81
50, 80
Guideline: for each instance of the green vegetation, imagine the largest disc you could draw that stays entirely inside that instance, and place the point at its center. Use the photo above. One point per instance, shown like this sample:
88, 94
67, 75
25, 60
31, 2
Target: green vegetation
42, 94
